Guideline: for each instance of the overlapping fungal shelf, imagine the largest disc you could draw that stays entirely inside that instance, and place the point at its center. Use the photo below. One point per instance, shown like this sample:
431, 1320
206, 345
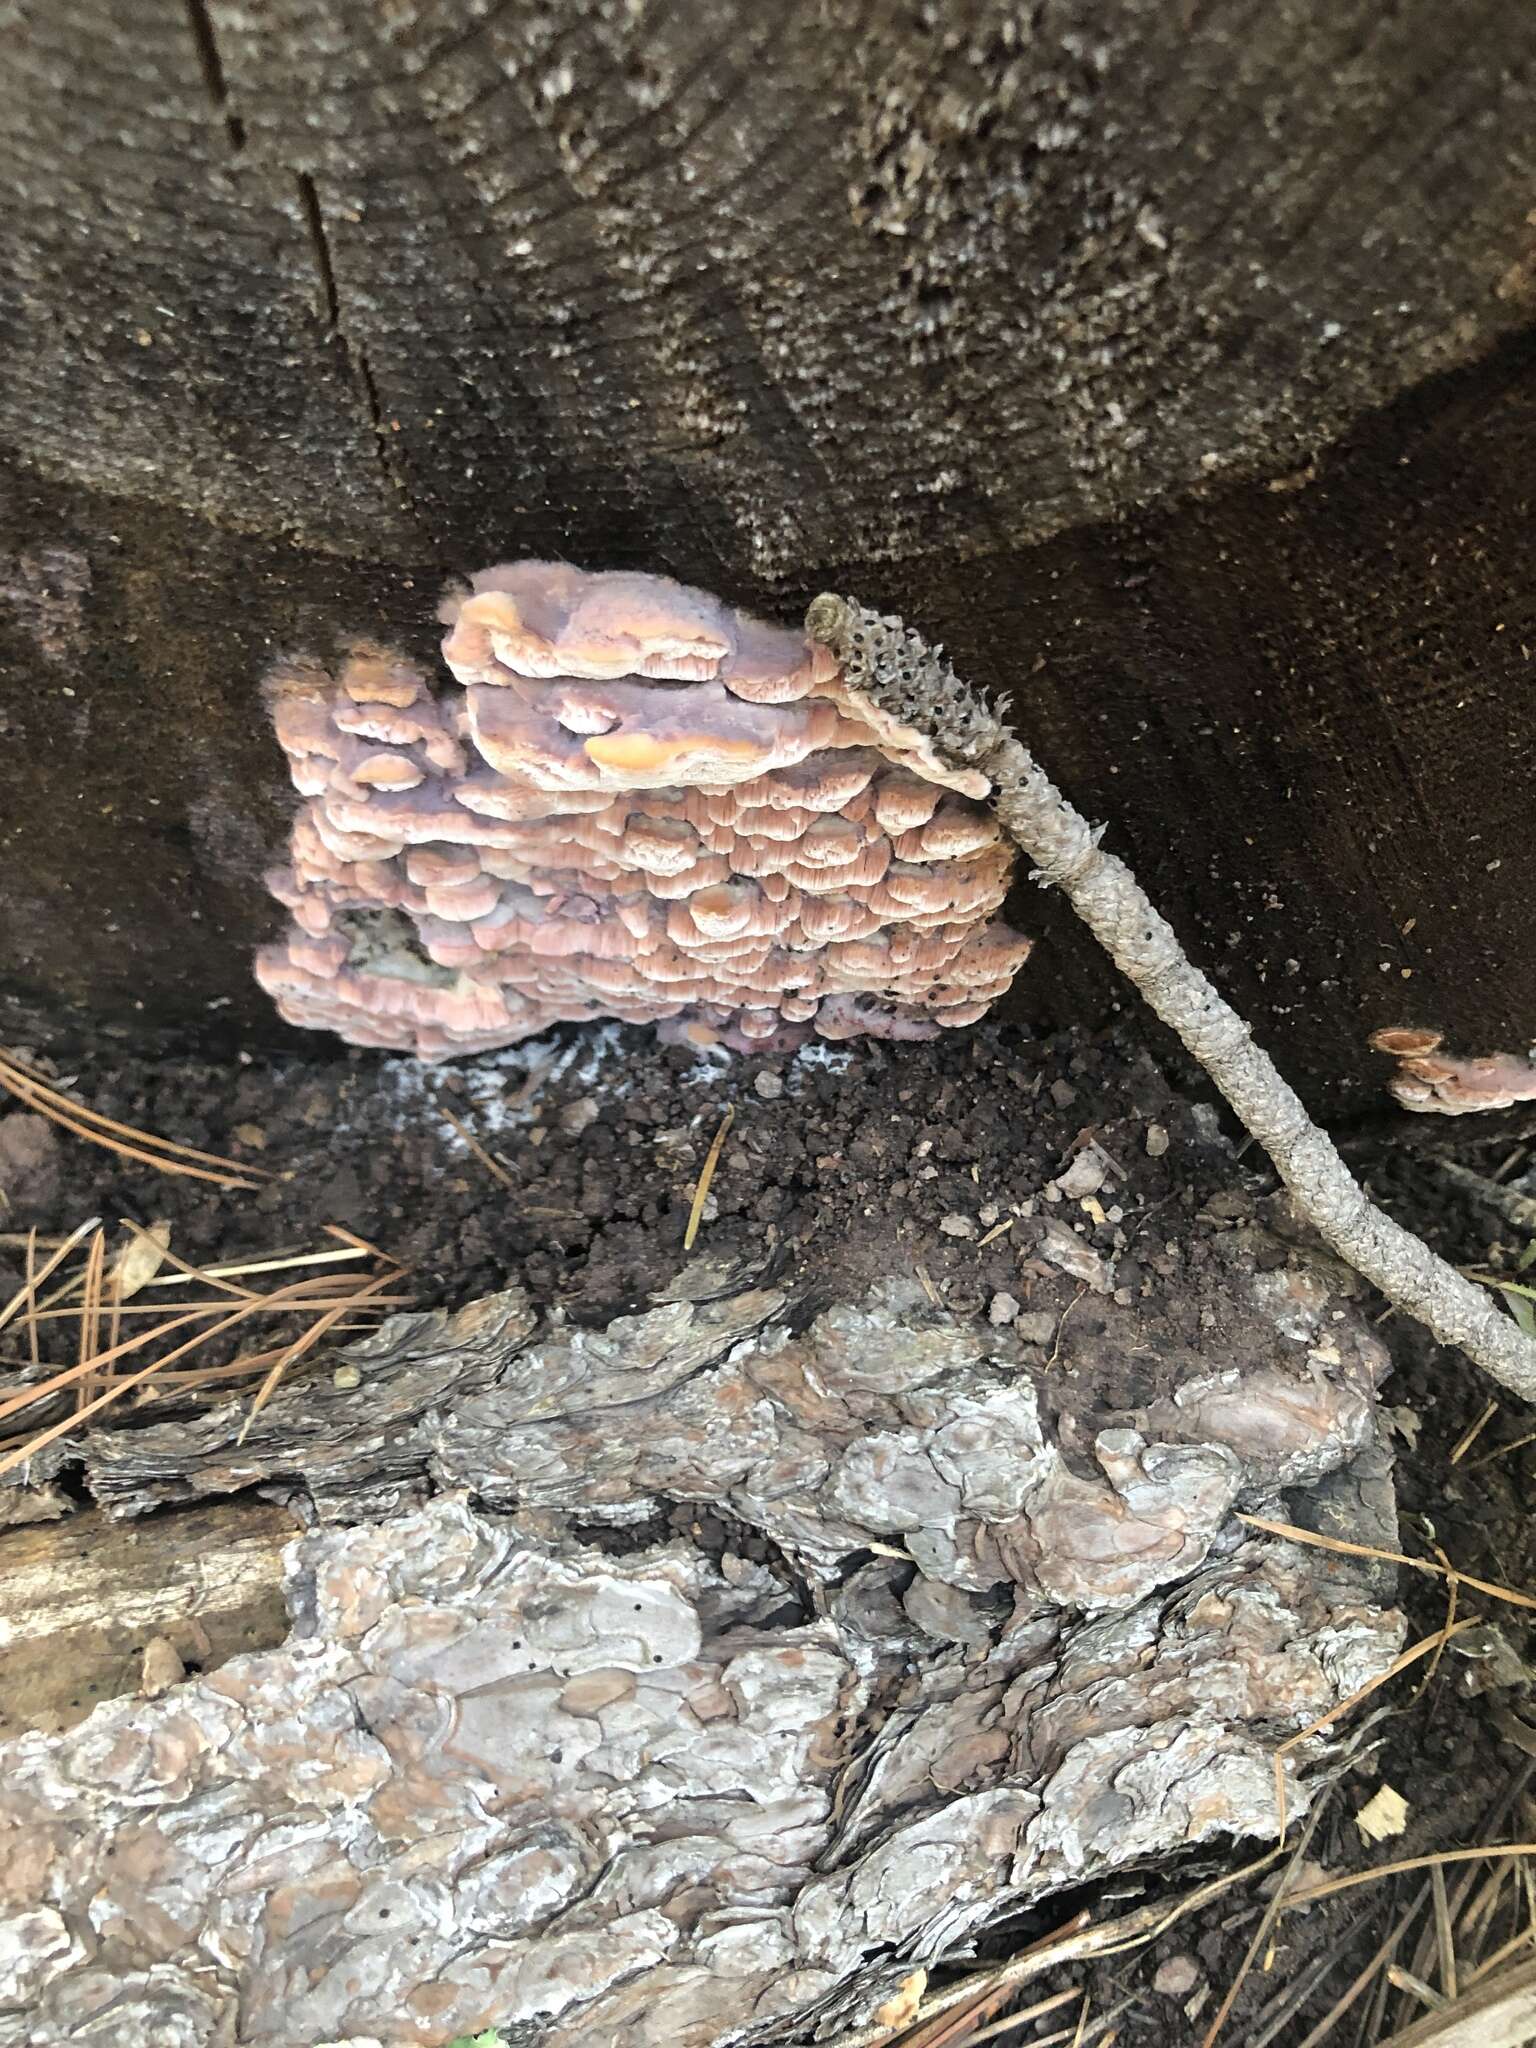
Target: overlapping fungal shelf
630, 802
1441, 1084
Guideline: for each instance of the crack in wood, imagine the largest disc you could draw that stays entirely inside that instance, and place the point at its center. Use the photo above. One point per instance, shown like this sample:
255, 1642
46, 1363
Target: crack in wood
200, 21
354, 352
320, 248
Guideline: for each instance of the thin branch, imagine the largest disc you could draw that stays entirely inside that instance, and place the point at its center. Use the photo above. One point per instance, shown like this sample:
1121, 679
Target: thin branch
914, 683
1316, 1541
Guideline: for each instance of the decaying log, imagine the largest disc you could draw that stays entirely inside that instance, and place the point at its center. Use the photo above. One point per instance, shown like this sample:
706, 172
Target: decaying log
80, 1602
497, 1776
639, 1786
891, 1419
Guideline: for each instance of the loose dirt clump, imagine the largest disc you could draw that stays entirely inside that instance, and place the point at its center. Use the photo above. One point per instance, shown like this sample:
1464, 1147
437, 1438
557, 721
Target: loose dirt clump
962, 1157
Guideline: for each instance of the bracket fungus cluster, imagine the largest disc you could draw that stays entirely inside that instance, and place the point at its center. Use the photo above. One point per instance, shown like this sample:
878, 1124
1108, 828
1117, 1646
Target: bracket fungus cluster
1441, 1084
635, 803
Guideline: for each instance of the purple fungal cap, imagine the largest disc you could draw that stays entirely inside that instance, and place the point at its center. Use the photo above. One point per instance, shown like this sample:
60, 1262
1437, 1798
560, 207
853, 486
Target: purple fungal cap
628, 802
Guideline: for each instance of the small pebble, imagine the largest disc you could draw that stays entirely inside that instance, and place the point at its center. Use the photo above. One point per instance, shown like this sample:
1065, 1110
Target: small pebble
29, 1160
1037, 1327
1002, 1309
1177, 1977
346, 1377
769, 1087
1157, 1141
161, 1669
1085, 1176
957, 1225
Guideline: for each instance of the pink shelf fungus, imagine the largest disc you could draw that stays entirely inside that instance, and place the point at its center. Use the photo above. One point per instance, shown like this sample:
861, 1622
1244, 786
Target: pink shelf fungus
630, 802
1442, 1084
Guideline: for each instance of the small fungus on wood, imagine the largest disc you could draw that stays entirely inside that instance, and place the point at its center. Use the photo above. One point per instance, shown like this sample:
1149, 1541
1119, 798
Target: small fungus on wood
631, 802
1438, 1083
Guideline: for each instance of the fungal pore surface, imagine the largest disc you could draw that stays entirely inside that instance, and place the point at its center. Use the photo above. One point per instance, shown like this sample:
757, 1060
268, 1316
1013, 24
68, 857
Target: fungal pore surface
629, 802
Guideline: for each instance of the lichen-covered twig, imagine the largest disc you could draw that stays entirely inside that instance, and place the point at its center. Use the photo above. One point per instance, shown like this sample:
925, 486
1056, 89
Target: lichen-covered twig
906, 677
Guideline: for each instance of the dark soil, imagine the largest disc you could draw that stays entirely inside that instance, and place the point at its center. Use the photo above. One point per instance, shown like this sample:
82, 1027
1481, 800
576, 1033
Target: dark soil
866, 1160
936, 1158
